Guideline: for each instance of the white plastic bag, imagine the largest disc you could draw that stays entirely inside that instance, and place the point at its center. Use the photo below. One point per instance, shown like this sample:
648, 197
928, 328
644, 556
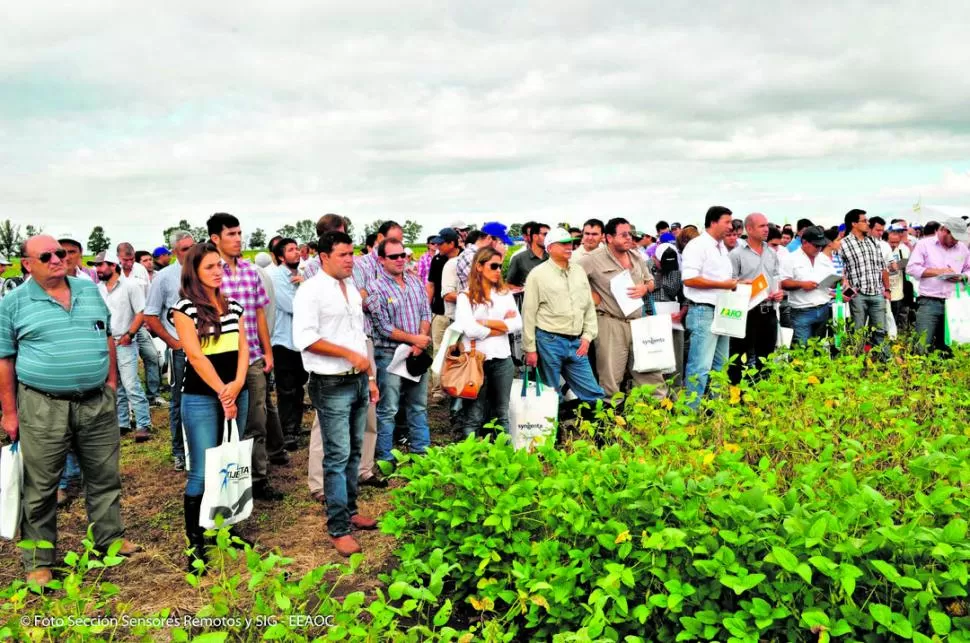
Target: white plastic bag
228, 480
731, 312
957, 325
891, 329
11, 477
784, 337
533, 410
653, 344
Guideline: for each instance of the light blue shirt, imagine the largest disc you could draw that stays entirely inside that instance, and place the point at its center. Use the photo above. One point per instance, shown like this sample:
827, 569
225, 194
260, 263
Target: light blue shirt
795, 244
163, 294
282, 334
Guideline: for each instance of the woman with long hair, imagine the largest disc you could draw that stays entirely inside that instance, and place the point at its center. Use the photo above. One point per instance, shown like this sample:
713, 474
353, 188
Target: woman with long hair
487, 313
213, 336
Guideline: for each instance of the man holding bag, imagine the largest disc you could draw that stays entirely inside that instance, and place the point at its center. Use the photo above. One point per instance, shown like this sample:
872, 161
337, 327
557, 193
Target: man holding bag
328, 328
942, 264
614, 341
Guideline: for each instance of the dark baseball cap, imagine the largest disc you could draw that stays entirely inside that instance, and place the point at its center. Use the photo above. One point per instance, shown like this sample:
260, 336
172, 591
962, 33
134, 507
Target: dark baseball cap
815, 236
446, 235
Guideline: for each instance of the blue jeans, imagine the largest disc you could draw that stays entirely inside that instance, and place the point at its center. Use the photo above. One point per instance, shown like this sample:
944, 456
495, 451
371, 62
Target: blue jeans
708, 352
871, 309
175, 404
129, 389
930, 317
492, 402
810, 322
394, 389
341, 403
557, 357
153, 372
72, 471
204, 424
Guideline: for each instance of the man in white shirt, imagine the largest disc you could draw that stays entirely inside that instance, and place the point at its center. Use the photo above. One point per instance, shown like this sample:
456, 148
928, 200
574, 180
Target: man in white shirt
706, 272
801, 273
328, 328
134, 271
126, 302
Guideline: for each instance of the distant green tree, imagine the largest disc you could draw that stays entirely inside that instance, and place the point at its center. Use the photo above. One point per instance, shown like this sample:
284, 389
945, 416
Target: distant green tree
98, 241
10, 238
515, 230
306, 231
199, 233
257, 240
31, 231
412, 230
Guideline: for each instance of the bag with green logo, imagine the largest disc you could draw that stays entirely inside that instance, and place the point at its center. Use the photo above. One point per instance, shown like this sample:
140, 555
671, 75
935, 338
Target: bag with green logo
956, 328
731, 311
533, 410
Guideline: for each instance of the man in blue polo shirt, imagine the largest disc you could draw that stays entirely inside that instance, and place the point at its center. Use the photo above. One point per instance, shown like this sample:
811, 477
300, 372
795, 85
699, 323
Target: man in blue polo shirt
62, 321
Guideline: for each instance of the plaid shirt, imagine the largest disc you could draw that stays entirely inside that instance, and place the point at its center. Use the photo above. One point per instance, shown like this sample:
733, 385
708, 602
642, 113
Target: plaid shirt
311, 267
424, 265
367, 268
863, 263
464, 266
246, 287
392, 306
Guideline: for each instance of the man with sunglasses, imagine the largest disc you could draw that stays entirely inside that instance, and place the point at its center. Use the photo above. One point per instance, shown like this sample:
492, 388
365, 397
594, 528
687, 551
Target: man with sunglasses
59, 320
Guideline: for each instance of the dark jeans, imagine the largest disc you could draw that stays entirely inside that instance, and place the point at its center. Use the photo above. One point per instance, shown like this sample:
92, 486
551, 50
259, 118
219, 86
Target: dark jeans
341, 402
930, 316
870, 310
290, 378
492, 402
760, 336
149, 355
810, 322
397, 392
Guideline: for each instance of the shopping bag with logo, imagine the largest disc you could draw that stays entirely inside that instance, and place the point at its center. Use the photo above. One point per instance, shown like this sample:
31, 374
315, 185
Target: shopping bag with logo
653, 344
533, 410
956, 327
731, 311
11, 477
228, 480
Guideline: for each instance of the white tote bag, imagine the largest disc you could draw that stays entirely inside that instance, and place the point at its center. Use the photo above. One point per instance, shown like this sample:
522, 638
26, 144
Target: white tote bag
11, 477
957, 325
228, 480
784, 337
653, 344
731, 312
533, 410
891, 329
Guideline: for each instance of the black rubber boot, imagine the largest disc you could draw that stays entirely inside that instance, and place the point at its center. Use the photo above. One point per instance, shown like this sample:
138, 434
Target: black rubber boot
194, 533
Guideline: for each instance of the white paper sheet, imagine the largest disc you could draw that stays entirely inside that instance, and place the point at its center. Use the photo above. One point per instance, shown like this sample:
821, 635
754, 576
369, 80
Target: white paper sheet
669, 308
830, 281
398, 365
618, 286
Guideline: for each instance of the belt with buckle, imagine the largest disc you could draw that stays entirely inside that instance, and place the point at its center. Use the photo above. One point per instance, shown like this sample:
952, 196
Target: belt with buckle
83, 396
563, 335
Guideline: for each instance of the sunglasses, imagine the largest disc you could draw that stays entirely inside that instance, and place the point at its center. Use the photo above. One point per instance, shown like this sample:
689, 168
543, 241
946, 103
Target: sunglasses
495, 265
45, 257
395, 257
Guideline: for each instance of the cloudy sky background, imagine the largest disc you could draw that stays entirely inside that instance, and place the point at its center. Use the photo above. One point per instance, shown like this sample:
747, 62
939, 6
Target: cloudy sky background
134, 116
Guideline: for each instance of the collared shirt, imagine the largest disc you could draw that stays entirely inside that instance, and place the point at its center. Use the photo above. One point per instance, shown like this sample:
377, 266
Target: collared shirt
139, 275
930, 253
321, 311
557, 301
246, 287
522, 264
55, 350
449, 285
282, 330
602, 267
748, 264
863, 263
124, 301
311, 267
464, 266
164, 294
708, 258
581, 252
393, 306
367, 268
424, 264
799, 267
467, 317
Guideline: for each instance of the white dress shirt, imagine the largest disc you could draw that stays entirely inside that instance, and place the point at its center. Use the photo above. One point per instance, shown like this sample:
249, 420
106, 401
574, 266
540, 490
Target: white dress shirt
468, 316
799, 267
139, 275
705, 257
124, 302
320, 311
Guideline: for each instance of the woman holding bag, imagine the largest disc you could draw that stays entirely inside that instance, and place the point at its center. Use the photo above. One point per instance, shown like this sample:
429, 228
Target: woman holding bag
487, 314
213, 336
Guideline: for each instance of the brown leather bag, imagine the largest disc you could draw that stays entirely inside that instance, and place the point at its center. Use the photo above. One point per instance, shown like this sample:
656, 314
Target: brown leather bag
462, 374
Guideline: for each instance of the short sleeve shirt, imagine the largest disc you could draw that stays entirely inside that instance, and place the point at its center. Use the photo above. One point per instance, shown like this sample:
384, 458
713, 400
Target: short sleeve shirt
222, 353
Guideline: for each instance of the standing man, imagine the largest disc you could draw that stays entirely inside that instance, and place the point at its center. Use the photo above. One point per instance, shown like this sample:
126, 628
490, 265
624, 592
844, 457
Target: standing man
866, 270
533, 255
162, 295
749, 261
424, 263
136, 272
559, 320
401, 315
706, 271
900, 295
52, 409
144, 259
290, 374
801, 273
945, 253
328, 326
241, 282
475, 241
161, 257
592, 239
614, 340
447, 241
126, 303
75, 250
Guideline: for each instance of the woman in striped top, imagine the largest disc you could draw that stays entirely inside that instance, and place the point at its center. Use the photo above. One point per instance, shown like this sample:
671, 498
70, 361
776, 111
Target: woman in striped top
213, 336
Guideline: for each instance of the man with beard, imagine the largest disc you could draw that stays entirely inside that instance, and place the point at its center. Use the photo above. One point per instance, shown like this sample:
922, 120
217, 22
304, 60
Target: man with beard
290, 375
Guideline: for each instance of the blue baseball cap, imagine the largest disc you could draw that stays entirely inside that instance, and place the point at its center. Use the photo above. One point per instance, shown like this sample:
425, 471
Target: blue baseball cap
497, 230
667, 237
159, 251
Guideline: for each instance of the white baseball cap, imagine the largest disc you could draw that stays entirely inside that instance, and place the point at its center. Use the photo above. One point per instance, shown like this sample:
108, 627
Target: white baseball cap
558, 235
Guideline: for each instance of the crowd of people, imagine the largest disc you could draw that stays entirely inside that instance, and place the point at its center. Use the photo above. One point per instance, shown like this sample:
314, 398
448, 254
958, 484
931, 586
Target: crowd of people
358, 333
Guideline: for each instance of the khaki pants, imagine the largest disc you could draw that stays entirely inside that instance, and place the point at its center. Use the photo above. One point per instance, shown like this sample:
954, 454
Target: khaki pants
439, 324
48, 429
315, 461
614, 358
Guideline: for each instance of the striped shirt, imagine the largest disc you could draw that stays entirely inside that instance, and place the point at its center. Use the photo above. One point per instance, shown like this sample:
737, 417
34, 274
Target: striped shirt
246, 287
55, 350
464, 266
392, 306
367, 268
222, 353
863, 263
424, 265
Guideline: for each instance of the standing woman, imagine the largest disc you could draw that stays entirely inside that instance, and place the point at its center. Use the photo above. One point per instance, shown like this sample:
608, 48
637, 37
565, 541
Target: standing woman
213, 336
487, 313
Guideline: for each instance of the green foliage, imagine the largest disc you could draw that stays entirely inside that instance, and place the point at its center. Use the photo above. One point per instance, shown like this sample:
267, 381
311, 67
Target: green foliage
304, 231
98, 241
412, 231
199, 233
257, 240
10, 239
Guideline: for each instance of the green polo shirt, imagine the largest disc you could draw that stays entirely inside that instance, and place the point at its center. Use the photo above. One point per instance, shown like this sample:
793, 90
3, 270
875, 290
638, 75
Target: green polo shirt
56, 351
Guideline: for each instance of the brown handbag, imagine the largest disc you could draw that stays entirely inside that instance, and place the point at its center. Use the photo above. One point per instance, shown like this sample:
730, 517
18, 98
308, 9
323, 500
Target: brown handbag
462, 374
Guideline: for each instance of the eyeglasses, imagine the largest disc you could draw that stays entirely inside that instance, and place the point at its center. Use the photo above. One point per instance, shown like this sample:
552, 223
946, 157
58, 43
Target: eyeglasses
395, 257
45, 257
495, 265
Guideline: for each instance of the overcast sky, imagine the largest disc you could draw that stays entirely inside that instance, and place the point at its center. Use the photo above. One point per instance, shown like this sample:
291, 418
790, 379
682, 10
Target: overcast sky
134, 116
